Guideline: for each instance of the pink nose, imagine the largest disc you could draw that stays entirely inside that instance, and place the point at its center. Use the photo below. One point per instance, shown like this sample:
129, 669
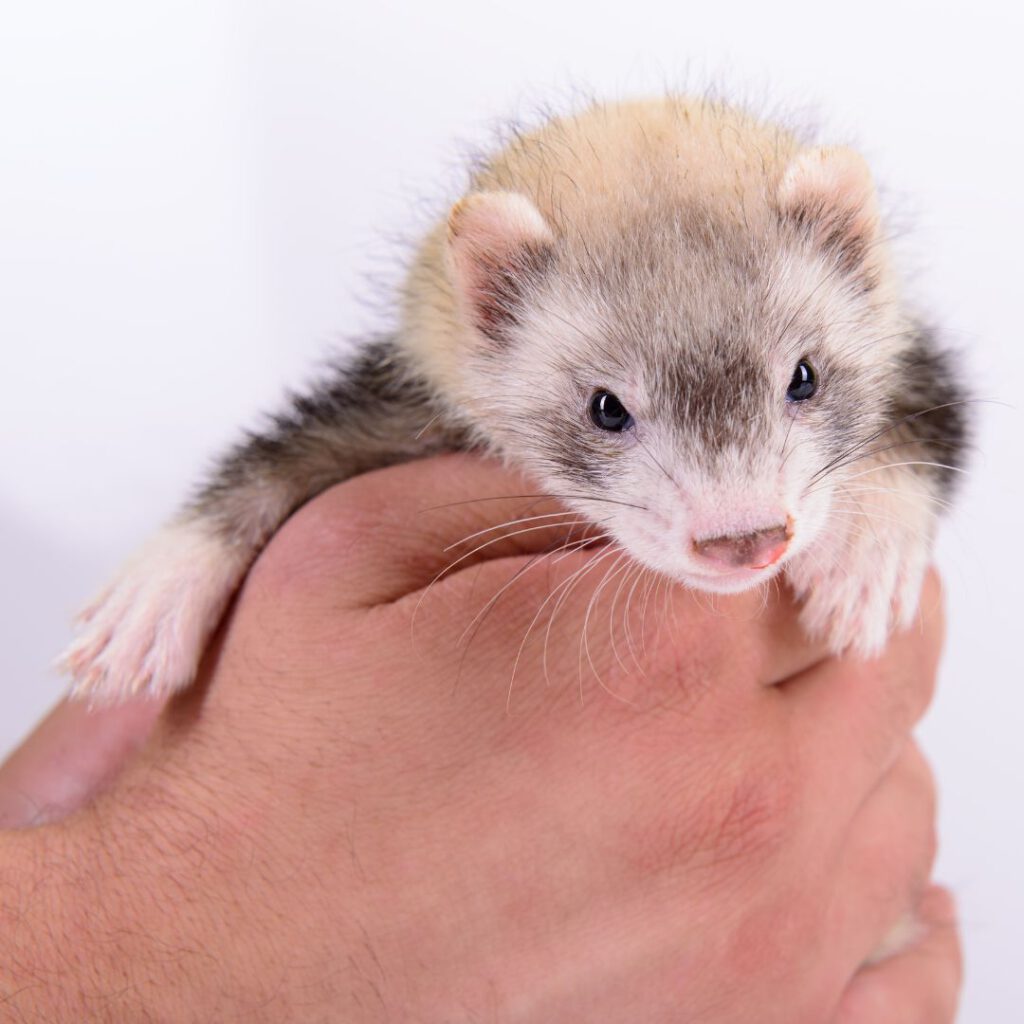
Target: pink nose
755, 550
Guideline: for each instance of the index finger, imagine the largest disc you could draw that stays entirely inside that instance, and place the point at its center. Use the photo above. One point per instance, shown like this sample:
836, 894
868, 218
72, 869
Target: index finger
69, 755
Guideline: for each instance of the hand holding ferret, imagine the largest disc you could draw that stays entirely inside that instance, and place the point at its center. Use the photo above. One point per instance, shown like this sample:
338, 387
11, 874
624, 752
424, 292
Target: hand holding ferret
350, 819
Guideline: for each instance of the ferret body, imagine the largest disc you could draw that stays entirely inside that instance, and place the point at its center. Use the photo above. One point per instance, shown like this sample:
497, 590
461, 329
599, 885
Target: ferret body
668, 303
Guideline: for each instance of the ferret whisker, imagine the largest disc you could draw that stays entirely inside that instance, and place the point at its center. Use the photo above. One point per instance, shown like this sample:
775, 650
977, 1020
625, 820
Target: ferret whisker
516, 522
857, 517
477, 624
497, 540
653, 458
479, 618
915, 462
869, 491
910, 442
629, 585
826, 559
897, 493
858, 514
492, 602
837, 507
848, 486
910, 417
569, 537
666, 595
462, 558
578, 545
789, 430
516, 497
529, 629
426, 426
638, 575
573, 581
652, 583
625, 572
609, 574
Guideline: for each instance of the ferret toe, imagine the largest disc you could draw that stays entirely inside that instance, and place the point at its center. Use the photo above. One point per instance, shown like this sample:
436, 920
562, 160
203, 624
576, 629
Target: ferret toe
144, 635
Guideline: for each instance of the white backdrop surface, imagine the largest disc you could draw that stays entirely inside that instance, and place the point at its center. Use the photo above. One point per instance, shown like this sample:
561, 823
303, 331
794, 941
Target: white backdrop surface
192, 194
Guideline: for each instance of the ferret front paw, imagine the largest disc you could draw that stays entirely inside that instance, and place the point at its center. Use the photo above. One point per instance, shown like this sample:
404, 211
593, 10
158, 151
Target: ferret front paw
146, 632
856, 607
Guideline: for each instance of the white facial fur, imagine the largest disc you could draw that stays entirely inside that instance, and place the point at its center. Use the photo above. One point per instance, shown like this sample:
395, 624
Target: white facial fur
697, 328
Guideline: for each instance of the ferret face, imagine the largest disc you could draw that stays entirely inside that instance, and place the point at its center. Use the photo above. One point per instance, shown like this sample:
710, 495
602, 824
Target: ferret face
683, 381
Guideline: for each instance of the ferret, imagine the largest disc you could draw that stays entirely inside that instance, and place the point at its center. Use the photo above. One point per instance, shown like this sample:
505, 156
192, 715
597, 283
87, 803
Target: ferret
679, 318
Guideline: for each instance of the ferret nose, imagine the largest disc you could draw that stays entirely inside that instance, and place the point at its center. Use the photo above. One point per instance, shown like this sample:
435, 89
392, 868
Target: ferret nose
755, 550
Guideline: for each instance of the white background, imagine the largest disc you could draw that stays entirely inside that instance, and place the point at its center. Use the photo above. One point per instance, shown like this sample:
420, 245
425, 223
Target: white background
193, 192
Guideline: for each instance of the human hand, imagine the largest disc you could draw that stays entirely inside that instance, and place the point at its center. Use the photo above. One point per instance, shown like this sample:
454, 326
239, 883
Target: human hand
343, 821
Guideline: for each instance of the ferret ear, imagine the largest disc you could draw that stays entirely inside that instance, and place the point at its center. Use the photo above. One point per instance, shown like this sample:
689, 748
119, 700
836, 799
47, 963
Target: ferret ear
498, 246
829, 193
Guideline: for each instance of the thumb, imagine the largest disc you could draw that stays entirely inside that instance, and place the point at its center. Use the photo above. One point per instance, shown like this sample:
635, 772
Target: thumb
68, 757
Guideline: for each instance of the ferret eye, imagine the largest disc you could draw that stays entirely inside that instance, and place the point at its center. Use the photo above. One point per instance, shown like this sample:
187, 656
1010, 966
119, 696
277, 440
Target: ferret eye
804, 382
608, 413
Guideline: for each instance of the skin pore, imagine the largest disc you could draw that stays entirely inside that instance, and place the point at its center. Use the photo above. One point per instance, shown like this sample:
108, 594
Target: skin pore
352, 819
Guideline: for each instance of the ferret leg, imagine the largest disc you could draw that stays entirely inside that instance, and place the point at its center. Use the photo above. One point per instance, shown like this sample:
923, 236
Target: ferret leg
146, 632
862, 578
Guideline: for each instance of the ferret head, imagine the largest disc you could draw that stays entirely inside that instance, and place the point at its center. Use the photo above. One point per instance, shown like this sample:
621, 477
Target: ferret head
683, 372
